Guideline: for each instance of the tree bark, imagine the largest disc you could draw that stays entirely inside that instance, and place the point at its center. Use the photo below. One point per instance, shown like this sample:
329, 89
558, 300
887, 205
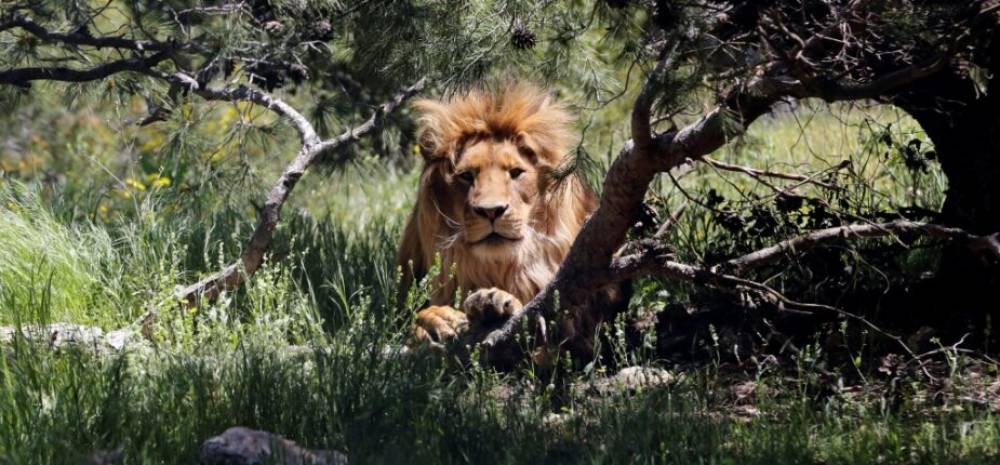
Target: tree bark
963, 122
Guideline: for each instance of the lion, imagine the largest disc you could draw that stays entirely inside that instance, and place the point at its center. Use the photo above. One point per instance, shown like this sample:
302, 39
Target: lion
489, 206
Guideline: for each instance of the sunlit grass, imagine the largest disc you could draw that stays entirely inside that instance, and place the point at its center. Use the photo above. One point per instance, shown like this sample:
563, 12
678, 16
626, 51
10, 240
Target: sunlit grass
47, 270
300, 350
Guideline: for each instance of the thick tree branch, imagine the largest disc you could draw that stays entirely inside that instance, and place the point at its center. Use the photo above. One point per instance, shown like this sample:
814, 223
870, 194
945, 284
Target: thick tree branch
831, 91
83, 39
588, 265
312, 148
23, 76
625, 186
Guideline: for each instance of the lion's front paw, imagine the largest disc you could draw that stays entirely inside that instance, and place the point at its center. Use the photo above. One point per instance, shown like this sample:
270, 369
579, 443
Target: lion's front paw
438, 325
490, 307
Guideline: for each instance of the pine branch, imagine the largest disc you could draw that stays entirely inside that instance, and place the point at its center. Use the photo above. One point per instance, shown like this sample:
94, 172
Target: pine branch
242, 93
23, 76
82, 39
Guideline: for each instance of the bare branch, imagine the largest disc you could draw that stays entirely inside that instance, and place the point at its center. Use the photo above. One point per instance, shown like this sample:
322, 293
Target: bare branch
988, 244
247, 94
655, 261
669, 224
234, 275
759, 173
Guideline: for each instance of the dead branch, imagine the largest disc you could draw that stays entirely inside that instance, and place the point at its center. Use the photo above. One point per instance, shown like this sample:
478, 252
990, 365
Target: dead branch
988, 244
670, 222
654, 261
312, 148
759, 173
246, 94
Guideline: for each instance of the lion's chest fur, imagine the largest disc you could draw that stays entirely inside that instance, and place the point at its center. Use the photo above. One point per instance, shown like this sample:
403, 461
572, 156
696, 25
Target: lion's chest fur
523, 273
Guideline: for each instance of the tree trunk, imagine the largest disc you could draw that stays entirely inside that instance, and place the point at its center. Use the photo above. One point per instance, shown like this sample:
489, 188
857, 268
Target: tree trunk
964, 125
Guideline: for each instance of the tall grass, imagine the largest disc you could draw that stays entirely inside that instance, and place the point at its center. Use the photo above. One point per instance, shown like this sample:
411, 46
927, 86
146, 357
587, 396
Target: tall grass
300, 350
44, 260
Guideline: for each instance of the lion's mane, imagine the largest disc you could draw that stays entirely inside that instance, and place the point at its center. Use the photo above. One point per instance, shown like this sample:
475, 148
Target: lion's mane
520, 113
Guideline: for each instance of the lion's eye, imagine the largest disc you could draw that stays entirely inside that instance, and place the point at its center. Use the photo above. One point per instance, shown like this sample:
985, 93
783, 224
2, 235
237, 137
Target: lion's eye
466, 176
516, 173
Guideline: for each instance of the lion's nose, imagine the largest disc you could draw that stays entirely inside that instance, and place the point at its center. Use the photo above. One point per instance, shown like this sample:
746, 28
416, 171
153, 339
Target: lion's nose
490, 213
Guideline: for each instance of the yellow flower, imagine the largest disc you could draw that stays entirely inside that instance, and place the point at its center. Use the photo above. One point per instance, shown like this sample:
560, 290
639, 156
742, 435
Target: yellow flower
154, 141
135, 184
157, 181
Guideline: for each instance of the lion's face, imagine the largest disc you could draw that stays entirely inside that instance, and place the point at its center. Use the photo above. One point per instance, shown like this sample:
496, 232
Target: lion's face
498, 186
487, 207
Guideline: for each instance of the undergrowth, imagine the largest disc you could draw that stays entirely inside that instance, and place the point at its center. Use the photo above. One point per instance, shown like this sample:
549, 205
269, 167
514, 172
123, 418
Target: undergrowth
305, 348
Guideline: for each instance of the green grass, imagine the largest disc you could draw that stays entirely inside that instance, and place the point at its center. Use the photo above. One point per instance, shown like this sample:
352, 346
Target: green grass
47, 266
299, 350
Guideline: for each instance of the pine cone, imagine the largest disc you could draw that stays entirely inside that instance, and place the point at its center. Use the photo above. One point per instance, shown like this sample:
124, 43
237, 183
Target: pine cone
298, 73
522, 37
320, 30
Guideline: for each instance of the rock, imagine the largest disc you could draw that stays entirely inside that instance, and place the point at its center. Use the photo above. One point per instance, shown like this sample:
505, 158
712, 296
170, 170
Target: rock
119, 339
744, 392
55, 334
643, 377
629, 379
245, 446
64, 335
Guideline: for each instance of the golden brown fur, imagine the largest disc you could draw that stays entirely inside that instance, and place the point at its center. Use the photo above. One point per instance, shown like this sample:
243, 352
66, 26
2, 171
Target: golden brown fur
487, 203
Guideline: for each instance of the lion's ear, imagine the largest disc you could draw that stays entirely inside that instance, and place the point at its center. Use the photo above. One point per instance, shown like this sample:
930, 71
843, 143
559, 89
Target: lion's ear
528, 147
546, 131
545, 137
436, 132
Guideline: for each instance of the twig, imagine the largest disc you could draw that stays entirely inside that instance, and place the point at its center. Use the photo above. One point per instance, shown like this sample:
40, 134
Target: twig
653, 262
988, 244
669, 224
759, 173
